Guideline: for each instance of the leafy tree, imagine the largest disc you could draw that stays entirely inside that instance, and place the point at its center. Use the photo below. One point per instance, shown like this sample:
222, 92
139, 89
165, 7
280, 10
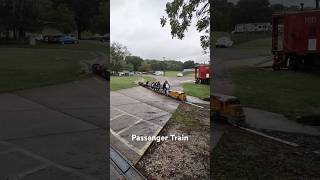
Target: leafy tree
62, 18
223, 15
135, 61
101, 21
118, 54
180, 13
188, 64
145, 67
250, 11
83, 10
278, 7
23, 16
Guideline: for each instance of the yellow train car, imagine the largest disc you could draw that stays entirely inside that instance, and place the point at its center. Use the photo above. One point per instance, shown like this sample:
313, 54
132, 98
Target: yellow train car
227, 107
177, 95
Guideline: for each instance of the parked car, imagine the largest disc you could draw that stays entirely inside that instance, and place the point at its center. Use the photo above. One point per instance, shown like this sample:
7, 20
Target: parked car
224, 42
179, 75
67, 40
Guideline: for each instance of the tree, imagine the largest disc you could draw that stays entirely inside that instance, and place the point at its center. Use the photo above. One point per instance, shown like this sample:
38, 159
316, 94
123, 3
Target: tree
24, 16
101, 22
251, 11
223, 15
62, 18
135, 61
188, 65
84, 10
180, 13
118, 54
145, 67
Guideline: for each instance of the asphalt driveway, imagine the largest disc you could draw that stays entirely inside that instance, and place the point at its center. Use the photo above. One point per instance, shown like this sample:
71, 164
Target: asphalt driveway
55, 132
137, 111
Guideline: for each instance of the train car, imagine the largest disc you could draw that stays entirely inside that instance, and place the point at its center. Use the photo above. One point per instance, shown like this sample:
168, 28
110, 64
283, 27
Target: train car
202, 73
295, 40
227, 108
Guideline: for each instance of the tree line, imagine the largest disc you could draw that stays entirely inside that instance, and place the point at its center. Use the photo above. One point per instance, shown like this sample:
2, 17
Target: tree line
227, 14
67, 16
121, 59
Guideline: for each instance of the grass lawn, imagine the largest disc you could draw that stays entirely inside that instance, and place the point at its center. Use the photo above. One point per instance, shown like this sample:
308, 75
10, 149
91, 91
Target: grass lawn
174, 73
197, 90
25, 67
257, 44
286, 92
124, 82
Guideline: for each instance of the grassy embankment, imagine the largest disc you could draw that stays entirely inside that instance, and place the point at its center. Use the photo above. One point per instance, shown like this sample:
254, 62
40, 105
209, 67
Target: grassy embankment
124, 82
23, 66
198, 90
289, 93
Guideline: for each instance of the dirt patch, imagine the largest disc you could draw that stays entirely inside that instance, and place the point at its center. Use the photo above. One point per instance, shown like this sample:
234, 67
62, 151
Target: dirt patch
243, 155
181, 159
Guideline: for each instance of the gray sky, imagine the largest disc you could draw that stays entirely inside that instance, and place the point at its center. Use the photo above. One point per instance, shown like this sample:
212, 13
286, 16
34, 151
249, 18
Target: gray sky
310, 3
136, 24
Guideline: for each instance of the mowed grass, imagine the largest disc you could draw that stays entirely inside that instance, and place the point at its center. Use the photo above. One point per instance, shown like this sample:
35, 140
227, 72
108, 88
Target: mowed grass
197, 90
171, 73
124, 82
174, 73
286, 92
22, 68
257, 44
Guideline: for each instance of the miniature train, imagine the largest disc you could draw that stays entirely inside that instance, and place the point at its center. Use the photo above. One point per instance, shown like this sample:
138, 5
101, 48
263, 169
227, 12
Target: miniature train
179, 95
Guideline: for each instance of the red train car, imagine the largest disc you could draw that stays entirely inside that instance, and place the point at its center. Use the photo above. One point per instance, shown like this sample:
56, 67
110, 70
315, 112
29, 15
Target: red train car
202, 73
296, 39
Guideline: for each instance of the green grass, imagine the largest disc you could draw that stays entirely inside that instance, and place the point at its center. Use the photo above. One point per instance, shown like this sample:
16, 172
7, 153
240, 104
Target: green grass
257, 44
286, 92
197, 90
174, 73
23, 67
124, 82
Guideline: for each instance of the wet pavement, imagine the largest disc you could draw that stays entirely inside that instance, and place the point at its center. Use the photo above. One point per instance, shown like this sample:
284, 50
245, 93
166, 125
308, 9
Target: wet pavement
137, 111
260, 119
55, 132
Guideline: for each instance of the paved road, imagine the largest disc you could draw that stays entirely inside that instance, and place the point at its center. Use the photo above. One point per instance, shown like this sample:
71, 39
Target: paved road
55, 132
137, 111
175, 82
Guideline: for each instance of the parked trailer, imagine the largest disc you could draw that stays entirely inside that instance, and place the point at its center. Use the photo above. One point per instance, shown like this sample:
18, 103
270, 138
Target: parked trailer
295, 40
202, 73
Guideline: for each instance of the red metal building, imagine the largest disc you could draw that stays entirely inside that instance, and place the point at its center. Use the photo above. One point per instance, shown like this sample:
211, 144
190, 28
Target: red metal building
296, 39
202, 73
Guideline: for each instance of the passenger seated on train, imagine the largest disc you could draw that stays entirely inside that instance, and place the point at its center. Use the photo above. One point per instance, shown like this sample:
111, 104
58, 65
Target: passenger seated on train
158, 86
165, 87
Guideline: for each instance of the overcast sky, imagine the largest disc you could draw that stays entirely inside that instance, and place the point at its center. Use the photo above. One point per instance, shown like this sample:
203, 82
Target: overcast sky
310, 3
136, 24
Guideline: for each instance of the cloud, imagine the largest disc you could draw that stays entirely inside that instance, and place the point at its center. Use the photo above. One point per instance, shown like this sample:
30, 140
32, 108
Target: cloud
136, 24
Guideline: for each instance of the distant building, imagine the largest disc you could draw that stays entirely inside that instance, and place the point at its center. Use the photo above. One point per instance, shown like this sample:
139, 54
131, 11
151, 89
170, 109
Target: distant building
188, 70
253, 27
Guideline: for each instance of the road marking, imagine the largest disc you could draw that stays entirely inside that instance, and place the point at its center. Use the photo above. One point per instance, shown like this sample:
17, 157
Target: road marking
116, 117
135, 149
49, 162
139, 120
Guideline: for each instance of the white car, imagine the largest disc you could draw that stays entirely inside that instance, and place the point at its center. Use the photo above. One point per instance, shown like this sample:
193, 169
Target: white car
179, 75
224, 42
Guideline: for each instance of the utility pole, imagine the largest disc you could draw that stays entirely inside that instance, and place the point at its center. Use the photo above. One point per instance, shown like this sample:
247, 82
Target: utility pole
317, 4
163, 68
